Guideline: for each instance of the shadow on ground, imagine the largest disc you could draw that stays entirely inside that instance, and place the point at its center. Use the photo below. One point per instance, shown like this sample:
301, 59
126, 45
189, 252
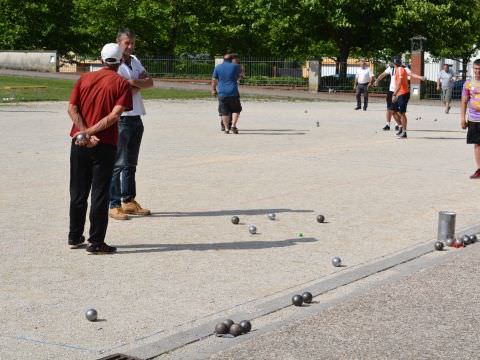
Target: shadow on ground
244, 245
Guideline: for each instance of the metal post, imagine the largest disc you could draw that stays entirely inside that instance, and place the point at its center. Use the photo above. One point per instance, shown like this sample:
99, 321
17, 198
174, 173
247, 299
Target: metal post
446, 225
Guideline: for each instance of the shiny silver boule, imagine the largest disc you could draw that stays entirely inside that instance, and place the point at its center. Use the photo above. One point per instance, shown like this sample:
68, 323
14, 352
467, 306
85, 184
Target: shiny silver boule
91, 315
252, 229
81, 137
449, 242
336, 261
272, 216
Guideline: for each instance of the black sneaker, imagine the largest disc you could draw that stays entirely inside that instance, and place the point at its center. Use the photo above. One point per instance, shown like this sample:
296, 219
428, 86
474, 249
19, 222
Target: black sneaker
358, 108
234, 130
364, 109
75, 244
101, 249
386, 128
397, 127
403, 135
400, 130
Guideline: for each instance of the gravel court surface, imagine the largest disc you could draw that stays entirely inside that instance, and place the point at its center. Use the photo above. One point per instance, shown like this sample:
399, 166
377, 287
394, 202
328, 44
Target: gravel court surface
431, 314
188, 263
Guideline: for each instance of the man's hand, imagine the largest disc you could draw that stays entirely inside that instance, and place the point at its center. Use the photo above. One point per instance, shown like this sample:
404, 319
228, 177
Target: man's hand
375, 83
214, 92
394, 98
463, 123
93, 141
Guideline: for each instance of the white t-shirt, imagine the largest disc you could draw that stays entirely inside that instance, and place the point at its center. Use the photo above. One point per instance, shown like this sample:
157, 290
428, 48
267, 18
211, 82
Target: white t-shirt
133, 73
391, 71
363, 75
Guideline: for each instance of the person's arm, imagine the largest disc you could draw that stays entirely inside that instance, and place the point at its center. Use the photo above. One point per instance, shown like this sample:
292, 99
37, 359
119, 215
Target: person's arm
370, 83
438, 82
144, 82
107, 121
76, 117
415, 76
214, 87
355, 81
380, 77
463, 107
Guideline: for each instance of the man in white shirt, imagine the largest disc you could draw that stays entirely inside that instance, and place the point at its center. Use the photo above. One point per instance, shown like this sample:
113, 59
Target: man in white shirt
130, 131
363, 80
445, 81
391, 106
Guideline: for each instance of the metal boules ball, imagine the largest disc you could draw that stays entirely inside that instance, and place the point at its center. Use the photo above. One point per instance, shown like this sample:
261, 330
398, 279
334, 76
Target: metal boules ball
458, 242
245, 325
91, 315
307, 297
336, 261
235, 330
473, 238
320, 218
438, 246
235, 220
466, 239
272, 216
221, 328
297, 300
81, 137
449, 242
228, 323
252, 229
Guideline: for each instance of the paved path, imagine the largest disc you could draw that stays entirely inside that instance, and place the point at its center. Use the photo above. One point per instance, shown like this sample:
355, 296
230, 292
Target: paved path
187, 265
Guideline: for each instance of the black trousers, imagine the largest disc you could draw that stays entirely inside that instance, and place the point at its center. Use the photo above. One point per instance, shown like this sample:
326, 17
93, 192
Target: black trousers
362, 88
90, 169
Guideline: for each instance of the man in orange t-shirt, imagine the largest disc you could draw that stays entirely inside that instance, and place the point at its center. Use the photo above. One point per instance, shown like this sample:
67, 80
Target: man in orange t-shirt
400, 96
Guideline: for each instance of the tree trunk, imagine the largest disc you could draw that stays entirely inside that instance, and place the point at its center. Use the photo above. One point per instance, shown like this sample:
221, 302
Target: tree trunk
464, 68
342, 61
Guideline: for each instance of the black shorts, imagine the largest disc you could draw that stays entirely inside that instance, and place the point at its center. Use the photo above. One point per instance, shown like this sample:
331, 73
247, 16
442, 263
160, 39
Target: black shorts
473, 133
229, 105
389, 100
401, 104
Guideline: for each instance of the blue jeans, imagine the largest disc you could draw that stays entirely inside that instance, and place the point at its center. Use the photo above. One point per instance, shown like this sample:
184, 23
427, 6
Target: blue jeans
123, 187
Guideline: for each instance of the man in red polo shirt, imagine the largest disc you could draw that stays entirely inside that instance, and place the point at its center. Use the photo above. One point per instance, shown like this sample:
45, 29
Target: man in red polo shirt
96, 103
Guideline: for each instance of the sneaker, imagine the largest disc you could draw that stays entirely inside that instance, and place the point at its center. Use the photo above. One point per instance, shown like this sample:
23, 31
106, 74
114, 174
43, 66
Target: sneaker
117, 213
234, 130
227, 131
386, 128
101, 249
397, 127
447, 110
399, 132
364, 109
75, 244
358, 108
133, 207
475, 175
403, 135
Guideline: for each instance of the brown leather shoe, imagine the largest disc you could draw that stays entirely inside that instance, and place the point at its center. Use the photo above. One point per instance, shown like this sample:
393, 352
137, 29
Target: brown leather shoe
134, 208
117, 214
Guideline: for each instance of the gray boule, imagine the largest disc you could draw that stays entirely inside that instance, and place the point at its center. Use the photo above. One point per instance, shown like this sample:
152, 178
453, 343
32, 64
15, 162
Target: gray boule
221, 328
228, 323
438, 246
297, 300
272, 216
252, 229
235, 330
336, 261
449, 242
235, 220
91, 315
307, 297
246, 326
320, 218
473, 238
81, 137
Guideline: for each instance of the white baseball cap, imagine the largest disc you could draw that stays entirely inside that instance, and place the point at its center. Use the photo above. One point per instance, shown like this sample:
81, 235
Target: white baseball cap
112, 53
